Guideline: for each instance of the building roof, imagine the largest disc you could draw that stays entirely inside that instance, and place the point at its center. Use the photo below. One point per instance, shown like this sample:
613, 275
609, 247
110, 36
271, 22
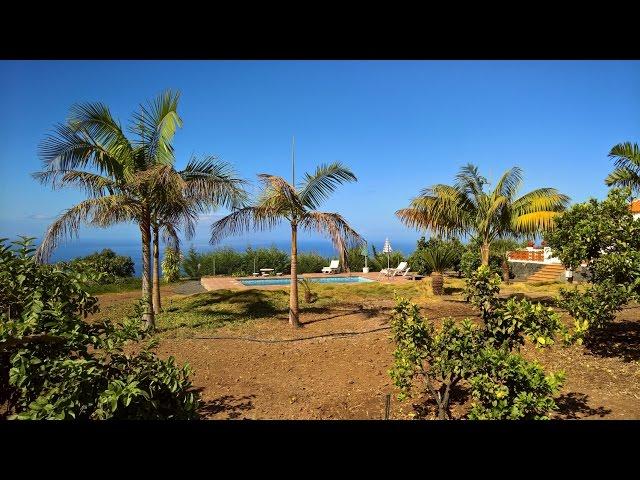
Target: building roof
635, 206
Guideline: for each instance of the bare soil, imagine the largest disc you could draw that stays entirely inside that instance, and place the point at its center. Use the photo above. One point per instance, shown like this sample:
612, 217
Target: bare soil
265, 375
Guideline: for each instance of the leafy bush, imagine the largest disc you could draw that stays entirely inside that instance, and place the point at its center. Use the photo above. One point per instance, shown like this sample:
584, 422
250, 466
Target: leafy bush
470, 261
54, 365
106, 262
605, 236
507, 387
311, 262
441, 357
171, 265
503, 384
594, 307
508, 322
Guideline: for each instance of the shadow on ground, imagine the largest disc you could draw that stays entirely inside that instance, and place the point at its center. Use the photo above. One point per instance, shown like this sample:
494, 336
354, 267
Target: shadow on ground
619, 339
232, 405
574, 405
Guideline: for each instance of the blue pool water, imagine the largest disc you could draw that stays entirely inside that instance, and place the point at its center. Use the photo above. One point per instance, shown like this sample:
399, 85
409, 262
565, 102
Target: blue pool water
287, 281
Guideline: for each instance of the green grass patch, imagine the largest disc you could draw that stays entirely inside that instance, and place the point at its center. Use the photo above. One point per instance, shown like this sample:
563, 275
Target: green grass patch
206, 311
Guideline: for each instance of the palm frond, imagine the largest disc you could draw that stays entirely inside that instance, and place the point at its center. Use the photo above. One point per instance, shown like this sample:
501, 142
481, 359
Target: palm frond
100, 211
439, 258
93, 184
214, 182
626, 155
540, 199
469, 180
336, 228
534, 222
156, 124
509, 183
243, 220
323, 182
279, 196
71, 148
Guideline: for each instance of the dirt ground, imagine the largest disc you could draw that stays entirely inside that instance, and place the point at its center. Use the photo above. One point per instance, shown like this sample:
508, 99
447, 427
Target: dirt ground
267, 376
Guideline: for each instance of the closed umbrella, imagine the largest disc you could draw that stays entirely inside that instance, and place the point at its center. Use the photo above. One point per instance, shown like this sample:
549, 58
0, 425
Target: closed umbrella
387, 249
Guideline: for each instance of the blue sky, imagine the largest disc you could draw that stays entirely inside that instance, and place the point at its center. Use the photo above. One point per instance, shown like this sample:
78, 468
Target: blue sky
400, 125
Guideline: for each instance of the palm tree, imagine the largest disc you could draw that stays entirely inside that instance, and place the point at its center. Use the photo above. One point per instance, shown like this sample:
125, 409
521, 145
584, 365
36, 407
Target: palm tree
465, 208
279, 200
92, 152
179, 196
627, 167
438, 258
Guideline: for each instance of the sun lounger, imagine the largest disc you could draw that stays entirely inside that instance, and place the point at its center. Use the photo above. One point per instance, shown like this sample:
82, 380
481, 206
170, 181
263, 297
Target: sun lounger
332, 268
401, 269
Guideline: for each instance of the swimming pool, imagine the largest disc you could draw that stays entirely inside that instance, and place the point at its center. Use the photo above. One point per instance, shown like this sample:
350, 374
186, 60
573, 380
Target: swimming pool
287, 281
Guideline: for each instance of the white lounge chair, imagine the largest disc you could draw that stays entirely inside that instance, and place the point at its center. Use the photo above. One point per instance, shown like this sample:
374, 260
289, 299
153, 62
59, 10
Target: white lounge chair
401, 269
332, 268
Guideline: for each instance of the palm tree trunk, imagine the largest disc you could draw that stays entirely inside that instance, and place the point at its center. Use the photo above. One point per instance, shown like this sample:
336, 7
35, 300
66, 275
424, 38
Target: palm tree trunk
505, 270
437, 282
147, 285
156, 273
294, 314
484, 253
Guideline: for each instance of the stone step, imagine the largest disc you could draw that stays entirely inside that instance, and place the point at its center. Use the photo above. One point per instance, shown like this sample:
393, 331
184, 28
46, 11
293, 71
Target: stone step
547, 273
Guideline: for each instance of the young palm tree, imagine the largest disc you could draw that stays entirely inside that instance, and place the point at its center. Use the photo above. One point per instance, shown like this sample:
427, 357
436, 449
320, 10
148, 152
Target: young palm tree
627, 167
465, 208
179, 196
279, 201
91, 151
438, 259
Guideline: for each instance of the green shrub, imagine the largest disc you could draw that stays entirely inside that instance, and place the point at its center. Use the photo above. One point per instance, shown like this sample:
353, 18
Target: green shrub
503, 384
441, 357
171, 265
106, 262
470, 260
508, 322
54, 365
311, 262
507, 387
605, 236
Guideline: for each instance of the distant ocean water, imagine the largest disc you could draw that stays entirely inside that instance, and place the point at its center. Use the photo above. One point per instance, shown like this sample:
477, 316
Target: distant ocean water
81, 248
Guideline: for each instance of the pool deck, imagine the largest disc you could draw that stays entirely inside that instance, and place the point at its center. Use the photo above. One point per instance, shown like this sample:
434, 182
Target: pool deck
232, 283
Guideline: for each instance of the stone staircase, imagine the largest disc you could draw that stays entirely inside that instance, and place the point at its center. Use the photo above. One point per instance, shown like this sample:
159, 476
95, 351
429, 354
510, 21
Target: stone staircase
548, 273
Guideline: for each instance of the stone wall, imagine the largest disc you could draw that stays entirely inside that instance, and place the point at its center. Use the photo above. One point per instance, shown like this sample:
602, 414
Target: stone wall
523, 270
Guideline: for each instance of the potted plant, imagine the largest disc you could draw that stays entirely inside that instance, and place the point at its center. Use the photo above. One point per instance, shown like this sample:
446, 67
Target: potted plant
438, 259
365, 253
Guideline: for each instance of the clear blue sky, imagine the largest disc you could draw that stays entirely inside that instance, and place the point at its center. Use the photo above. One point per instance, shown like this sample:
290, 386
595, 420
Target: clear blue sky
400, 125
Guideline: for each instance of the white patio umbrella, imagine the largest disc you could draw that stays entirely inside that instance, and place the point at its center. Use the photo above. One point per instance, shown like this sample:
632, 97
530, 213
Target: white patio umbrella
387, 249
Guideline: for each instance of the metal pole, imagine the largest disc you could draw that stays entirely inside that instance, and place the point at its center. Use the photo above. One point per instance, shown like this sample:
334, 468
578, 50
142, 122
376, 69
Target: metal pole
293, 161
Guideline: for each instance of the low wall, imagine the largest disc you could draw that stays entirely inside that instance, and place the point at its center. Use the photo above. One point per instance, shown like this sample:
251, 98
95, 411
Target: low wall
523, 270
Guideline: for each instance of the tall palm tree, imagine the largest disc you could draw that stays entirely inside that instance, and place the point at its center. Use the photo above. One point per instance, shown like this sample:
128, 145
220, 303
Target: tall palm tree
465, 208
279, 200
91, 151
627, 167
179, 196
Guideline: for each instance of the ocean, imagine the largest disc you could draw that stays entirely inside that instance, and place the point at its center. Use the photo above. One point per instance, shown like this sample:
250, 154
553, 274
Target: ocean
81, 248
